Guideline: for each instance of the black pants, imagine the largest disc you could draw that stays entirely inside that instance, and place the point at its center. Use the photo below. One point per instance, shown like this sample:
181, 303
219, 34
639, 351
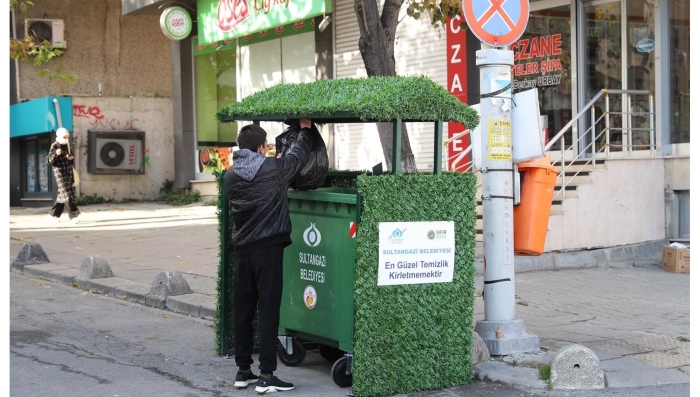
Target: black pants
57, 209
258, 283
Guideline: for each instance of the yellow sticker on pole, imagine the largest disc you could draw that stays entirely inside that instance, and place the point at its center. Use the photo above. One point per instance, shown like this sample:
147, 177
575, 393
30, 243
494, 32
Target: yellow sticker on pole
500, 144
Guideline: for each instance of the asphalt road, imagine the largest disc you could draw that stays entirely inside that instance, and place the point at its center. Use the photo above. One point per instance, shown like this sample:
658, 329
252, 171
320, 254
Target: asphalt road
66, 342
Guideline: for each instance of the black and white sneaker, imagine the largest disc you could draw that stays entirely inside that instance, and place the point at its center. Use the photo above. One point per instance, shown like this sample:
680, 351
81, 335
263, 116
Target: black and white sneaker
245, 378
271, 385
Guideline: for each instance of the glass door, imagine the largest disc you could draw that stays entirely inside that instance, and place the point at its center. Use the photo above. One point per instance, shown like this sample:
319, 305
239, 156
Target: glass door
36, 171
601, 68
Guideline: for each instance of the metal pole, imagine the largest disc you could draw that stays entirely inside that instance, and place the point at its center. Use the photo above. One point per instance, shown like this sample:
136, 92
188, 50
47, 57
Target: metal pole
437, 161
396, 154
607, 125
501, 332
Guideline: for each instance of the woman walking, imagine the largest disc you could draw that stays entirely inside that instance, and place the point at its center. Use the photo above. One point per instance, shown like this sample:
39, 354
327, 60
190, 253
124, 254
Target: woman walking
61, 159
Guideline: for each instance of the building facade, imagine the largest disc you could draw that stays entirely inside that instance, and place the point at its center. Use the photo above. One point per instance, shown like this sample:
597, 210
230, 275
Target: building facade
570, 51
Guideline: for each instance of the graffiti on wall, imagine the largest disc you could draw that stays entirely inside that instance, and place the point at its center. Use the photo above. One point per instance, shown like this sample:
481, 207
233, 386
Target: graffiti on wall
102, 122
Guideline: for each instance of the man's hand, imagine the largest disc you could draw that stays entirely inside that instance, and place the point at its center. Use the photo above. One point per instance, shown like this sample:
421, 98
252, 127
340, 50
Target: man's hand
305, 123
69, 157
58, 152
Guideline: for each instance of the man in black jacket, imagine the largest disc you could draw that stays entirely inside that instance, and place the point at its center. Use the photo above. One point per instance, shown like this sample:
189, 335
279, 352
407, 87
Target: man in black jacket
257, 190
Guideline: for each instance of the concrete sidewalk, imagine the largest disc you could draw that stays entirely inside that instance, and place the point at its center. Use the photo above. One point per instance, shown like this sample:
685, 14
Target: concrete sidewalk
633, 315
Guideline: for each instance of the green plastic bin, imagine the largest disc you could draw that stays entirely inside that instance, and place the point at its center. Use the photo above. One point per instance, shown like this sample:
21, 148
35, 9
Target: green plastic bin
319, 272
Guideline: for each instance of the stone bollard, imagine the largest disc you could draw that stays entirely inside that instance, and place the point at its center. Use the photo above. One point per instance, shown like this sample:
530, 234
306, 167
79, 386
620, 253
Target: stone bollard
168, 283
576, 367
31, 254
94, 266
480, 352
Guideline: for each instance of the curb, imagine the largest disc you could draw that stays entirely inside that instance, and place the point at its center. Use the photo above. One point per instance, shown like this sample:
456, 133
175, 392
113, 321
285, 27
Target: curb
194, 304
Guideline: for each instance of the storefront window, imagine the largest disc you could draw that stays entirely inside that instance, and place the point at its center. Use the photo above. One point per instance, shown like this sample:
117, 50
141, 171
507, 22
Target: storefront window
543, 61
680, 70
215, 87
290, 59
641, 41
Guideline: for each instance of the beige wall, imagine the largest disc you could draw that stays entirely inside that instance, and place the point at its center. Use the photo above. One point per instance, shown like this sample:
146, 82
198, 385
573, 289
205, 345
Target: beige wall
677, 173
623, 205
154, 116
128, 54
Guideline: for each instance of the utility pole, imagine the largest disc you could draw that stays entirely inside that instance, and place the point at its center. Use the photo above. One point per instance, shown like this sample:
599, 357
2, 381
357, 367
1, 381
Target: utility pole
498, 24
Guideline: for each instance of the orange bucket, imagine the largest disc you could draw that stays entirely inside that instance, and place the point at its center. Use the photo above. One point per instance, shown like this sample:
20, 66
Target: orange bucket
531, 217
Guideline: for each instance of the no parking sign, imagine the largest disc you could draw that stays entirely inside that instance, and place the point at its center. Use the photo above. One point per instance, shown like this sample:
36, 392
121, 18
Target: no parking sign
498, 23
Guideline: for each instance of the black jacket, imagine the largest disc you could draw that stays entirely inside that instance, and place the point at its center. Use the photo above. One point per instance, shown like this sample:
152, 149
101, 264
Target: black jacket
257, 191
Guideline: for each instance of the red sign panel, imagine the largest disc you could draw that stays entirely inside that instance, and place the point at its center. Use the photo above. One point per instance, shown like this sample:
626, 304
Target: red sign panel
497, 22
457, 85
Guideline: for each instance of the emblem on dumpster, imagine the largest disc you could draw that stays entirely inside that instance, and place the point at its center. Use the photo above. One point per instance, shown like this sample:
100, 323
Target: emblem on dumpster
310, 296
312, 236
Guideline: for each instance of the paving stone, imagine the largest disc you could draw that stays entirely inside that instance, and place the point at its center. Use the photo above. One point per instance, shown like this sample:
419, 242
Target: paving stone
553, 344
656, 376
658, 342
663, 360
625, 364
617, 346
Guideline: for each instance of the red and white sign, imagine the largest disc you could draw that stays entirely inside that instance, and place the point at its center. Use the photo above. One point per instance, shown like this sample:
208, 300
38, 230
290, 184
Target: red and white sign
353, 230
497, 22
457, 85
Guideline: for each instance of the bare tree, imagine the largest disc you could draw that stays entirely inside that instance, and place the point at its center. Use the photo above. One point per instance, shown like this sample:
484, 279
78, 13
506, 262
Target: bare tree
376, 44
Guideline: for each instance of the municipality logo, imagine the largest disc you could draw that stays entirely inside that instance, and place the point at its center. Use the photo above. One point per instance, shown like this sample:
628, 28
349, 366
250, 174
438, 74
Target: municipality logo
397, 235
312, 236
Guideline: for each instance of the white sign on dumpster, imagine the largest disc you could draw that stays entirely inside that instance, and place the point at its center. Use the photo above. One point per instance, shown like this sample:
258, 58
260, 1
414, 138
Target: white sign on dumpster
416, 252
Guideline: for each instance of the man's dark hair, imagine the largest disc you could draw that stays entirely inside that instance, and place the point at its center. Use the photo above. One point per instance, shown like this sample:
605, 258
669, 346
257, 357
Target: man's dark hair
251, 137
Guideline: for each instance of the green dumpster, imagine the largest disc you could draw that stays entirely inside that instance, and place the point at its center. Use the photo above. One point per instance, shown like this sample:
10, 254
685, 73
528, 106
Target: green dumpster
319, 271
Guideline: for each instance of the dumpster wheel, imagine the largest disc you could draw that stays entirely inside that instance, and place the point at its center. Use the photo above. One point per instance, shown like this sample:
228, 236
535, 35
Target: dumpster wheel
297, 356
330, 353
339, 372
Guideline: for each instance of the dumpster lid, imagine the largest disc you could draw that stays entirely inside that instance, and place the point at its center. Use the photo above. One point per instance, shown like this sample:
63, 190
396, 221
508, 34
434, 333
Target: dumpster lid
344, 195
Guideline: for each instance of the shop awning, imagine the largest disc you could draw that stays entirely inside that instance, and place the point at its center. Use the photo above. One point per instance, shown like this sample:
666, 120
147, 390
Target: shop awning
39, 116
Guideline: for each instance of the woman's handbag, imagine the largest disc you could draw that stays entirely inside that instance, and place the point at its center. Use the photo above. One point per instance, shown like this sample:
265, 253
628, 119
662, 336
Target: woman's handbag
76, 176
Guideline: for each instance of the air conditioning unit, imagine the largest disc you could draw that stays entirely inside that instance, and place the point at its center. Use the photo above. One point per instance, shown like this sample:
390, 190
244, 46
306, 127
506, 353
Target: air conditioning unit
116, 152
51, 30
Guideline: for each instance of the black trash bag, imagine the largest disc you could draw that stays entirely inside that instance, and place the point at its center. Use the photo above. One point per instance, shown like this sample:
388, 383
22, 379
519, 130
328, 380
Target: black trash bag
313, 172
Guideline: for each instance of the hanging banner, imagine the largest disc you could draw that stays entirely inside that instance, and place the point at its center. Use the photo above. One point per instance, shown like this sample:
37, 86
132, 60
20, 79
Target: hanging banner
226, 19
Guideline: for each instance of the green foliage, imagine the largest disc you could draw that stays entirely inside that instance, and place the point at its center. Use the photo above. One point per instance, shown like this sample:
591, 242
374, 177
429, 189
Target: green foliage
88, 200
183, 198
167, 187
375, 98
683, 339
545, 371
439, 11
211, 202
413, 337
22, 4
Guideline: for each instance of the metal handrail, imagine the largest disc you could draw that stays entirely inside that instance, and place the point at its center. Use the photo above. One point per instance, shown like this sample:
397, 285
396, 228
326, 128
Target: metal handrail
587, 147
590, 147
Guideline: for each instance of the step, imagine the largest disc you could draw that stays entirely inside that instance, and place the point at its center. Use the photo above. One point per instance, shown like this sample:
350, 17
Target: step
580, 168
574, 181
